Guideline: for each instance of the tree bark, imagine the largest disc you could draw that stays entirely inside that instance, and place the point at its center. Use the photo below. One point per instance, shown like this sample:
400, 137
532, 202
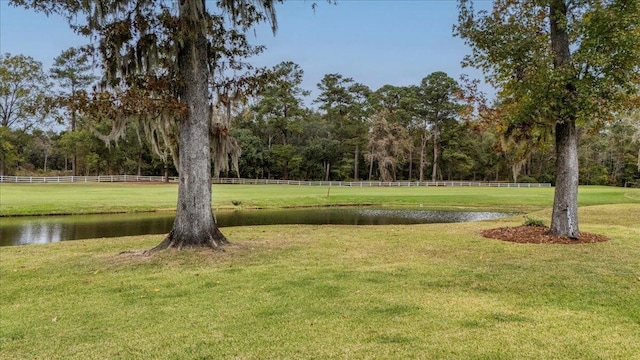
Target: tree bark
434, 168
410, 165
74, 157
355, 162
194, 225
423, 146
564, 219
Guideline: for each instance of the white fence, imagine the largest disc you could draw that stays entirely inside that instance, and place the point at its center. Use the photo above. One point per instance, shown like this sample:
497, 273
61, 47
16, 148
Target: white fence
134, 178
376, 183
83, 179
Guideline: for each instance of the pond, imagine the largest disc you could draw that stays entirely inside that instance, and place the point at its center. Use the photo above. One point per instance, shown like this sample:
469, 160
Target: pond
46, 229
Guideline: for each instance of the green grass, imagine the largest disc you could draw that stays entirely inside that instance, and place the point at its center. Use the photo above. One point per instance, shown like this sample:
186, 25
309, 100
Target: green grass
44, 199
47, 199
341, 292
344, 292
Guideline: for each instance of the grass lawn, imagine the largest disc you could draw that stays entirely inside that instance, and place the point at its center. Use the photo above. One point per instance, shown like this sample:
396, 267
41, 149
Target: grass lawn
46, 199
344, 292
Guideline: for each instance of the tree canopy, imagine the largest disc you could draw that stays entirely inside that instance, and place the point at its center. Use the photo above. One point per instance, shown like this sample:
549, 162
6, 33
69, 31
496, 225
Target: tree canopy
170, 66
23, 89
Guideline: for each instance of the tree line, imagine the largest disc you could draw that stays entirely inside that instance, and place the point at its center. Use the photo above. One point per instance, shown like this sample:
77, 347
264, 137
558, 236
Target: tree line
433, 130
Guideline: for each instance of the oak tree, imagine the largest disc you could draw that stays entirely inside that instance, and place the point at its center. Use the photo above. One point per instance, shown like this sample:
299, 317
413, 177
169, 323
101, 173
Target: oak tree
170, 65
23, 90
560, 66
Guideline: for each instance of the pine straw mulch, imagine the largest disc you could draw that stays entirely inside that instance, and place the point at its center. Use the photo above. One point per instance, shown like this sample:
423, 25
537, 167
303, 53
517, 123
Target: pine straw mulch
538, 235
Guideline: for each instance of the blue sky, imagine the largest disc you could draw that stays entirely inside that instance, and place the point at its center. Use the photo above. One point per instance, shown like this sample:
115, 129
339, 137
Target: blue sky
375, 42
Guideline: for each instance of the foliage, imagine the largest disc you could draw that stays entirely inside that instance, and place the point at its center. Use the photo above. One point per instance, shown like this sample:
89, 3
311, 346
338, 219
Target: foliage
280, 103
437, 101
71, 72
559, 66
23, 88
255, 160
345, 107
511, 46
388, 144
332, 142
138, 44
471, 149
8, 153
177, 69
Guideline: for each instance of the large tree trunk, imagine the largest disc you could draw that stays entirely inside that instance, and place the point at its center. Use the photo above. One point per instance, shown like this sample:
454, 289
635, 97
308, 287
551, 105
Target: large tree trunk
564, 220
194, 225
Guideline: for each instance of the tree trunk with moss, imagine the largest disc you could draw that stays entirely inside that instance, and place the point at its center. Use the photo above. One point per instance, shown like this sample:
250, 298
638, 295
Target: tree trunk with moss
194, 225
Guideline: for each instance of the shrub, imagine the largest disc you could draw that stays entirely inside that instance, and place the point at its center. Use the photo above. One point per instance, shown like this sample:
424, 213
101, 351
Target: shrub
527, 179
529, 221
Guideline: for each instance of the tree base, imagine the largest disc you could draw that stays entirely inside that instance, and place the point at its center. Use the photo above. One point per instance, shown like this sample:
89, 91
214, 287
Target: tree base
573, 235
539, 235
214, 240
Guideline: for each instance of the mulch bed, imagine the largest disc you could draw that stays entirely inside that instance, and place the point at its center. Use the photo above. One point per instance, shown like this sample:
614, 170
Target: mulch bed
538, 235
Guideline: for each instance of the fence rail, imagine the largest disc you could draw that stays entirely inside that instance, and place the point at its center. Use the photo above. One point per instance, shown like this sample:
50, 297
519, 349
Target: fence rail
376, 183
83, 179
134, 178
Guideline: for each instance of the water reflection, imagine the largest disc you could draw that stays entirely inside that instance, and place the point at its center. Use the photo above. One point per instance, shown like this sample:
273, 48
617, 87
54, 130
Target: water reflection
39, 230
33, 233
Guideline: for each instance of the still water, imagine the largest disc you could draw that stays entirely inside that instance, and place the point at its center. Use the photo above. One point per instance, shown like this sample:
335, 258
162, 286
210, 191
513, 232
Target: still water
46, 229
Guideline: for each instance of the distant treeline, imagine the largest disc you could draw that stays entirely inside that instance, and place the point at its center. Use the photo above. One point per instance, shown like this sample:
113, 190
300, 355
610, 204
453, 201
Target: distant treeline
432, 131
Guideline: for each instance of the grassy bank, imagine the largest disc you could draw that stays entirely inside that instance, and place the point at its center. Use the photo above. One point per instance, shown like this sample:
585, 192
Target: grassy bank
44, 199
302, 292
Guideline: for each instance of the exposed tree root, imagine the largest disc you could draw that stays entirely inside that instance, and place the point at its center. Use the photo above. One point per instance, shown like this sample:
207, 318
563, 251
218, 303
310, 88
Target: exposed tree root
215, 240
134, 253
